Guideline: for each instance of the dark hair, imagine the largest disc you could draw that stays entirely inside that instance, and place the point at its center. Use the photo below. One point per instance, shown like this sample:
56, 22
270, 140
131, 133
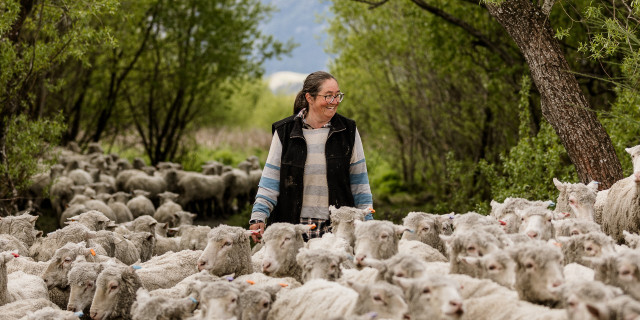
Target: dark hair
311, 86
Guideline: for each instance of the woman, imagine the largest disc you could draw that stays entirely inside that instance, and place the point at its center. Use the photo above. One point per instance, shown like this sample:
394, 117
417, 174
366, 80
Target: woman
315, 160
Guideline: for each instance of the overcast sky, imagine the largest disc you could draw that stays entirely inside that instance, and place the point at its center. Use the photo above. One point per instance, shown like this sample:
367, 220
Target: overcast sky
298, 19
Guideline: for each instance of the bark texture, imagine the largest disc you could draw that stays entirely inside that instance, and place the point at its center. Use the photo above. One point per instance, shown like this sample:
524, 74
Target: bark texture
564, 105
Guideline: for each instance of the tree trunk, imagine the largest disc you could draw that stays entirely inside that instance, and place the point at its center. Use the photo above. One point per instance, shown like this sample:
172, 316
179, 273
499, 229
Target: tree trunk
564, 105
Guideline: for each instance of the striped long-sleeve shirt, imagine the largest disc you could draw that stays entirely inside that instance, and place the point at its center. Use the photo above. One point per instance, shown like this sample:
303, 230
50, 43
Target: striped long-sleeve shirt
315, 203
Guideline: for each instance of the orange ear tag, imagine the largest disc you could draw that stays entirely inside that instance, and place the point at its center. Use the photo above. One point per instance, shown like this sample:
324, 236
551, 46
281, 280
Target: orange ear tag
312, 226
284, 285
93, 253
251, 282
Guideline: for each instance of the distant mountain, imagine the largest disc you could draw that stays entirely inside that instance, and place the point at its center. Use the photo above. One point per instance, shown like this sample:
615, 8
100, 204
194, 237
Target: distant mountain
286, 82
298, 20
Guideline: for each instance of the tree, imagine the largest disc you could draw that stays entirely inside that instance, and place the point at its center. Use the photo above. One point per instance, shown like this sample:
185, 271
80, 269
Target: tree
564, 105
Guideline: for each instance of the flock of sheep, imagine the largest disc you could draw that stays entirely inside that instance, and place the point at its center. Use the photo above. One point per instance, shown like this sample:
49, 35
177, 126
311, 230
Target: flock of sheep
112, 259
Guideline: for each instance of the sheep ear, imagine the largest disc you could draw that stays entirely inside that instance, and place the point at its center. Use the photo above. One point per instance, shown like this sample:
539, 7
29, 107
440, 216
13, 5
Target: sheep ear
400, 229
304, 228
403, 283
32, 220
558, 184
593, 185
629, 150
193, 215
595, 311
38, 234
332, 208
519, 213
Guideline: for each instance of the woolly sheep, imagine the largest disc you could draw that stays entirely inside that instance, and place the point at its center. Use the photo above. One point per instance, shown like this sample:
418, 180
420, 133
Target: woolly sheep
282, 242
471, 220
621, 270
165, 244
141, 204
469, 244
228, 251
45, 247
342, 222
153, 184
18, 285
196, 187
254, 304
505, 212
497, 266
166, 212
376, 239
421, 250
592, 244
588, 299
22, 227
193, 237
168, 269
539, 274
622, 208
433, 297
116, 288
573, 227
424, 227
536, 223
11, 243
139, 224
147, 307
621, 307
576, 200
218, 300
82, 281
330, 299
118, 204
50, 313
401, 265
182, 288
18, 309
238, 189
631, 239
263, 280
61, 192
320, 264
144, 242
80, 177
330, 241
92, 219
56, 273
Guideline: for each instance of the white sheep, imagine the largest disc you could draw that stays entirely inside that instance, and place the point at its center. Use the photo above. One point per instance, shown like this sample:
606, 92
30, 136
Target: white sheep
536, 223
573, 227
282, 242
505, 212
622, 208
320, 264
50, 313
376, 239
343, 222
18, 309
45, 247
576, 200
228, 251
167, 270
22, 227
166, 212
18, 285
147, 307
426, 228
116, 288
539, 275
141, 204
433, 297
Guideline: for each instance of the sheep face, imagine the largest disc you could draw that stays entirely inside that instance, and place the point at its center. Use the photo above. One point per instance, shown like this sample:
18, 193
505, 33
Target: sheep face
635, 157
402, 266
539, 274
82, 290
254, 304
115, 292
386, 300
536, 223
433, 298
425, 228
56, 273
628, 274
588, 299
376, 240
497, 266
320, 264
595, 248
227, 251
219, 301
282, 243
343, 222
21, 227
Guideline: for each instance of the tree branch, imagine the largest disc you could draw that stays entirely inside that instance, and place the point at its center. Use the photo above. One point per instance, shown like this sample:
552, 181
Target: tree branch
373, 4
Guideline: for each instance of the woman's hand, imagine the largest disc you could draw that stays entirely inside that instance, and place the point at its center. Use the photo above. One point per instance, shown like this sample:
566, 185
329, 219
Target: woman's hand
259, 230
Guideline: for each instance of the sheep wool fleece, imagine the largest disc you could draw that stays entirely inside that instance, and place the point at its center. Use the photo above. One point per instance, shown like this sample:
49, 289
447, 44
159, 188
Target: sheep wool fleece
303, 163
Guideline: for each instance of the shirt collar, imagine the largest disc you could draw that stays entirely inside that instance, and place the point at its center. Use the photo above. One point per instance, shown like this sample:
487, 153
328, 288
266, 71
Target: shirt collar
303, 115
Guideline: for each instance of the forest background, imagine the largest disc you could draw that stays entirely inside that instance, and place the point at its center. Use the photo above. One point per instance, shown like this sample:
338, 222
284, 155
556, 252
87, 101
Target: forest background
449, 115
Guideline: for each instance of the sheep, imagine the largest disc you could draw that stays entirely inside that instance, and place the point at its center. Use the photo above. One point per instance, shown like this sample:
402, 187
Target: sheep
536, 223
471, 244
193, 237
330, 241
92, 219
196, 187
576, 200
147, 307
126, 250
18, 285
432, 297
18, 309
622, 208
118, 204
101, 206
320, 264
424, 227
238, 189
328, 299
621, 307
27, 265
254, 304
45, 247
11, 243
376, 239
80, 177
573, 227
22, 227
153, 184
497, 266
401, 265
421, 250
539, 274
505, 212
282, 242
167, 270
104, 242
56, 273
82, 281
116, 288
470, 220
592, 244
50, 313
185, 218
166, 212
61, 192
141, 204
228, 251
71, 211
182, 288
342, 222
124, 175
621, 270
163, 243
260, 279
218, 300
588, 299
144, 242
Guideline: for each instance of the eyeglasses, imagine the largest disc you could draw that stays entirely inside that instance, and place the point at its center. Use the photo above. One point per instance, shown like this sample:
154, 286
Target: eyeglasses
329, 98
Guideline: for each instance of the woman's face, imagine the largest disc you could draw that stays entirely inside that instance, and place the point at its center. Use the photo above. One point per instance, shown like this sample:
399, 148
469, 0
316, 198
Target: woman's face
318, 105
